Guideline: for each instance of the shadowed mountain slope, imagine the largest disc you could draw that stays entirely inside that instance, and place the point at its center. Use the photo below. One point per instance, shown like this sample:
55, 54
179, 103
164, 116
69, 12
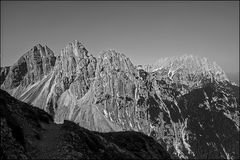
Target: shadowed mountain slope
29, 132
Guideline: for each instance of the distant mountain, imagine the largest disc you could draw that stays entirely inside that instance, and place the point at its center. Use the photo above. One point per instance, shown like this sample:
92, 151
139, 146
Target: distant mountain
186, 103
234, 77
29, 133
188, 69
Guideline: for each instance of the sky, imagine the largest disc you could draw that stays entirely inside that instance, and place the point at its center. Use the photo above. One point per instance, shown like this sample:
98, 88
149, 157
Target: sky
143, 31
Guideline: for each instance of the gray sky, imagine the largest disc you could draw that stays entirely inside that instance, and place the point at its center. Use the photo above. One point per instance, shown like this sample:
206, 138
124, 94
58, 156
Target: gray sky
144, 31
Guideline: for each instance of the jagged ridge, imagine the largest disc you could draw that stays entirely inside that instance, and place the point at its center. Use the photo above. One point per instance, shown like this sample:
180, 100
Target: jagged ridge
188, 69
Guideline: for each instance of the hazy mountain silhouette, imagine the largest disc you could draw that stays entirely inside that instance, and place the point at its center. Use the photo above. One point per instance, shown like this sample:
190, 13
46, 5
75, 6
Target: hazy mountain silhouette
234, 77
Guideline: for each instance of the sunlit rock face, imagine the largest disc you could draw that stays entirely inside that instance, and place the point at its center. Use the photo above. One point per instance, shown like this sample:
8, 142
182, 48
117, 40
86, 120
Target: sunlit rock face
76, 68
30, 68
116, 89
110, 104
39, 78
75, 71
30, 76
186, 103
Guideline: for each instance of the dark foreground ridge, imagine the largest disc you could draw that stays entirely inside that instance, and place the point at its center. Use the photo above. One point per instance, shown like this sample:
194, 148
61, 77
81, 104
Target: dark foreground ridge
28, 132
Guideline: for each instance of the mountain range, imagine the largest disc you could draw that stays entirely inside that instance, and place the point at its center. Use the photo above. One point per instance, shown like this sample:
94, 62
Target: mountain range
186, 103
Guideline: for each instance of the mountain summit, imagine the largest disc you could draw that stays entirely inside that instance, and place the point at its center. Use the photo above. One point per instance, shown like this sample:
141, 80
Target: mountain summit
30, 68
193, 65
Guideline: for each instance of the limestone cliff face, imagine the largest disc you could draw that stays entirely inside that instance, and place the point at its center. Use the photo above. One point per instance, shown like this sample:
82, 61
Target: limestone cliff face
30, 68
29, 78
75, 70
40, 78
115, 88
112, 92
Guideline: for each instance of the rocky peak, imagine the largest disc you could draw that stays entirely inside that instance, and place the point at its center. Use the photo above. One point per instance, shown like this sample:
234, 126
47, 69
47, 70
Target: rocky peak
189, 68
30, 67
112, 71
76, 49
73, 57
112, 60
76, 66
